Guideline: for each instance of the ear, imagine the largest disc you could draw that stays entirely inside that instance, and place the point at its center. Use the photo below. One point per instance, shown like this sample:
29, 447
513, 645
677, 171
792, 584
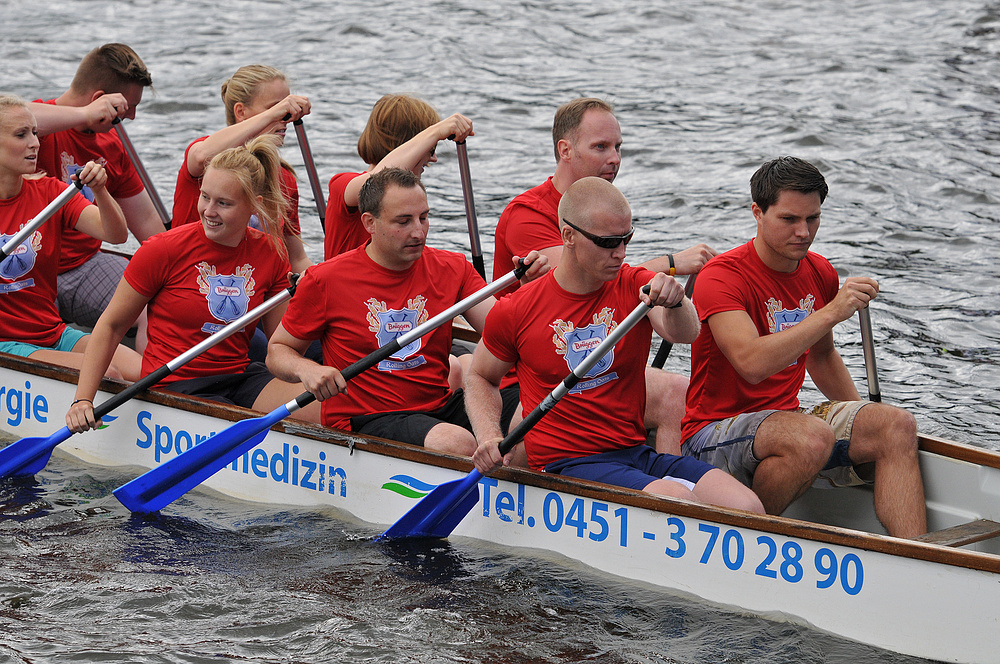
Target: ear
565, 148
240, 111
566, 233
368, 221
96, 95
757, 212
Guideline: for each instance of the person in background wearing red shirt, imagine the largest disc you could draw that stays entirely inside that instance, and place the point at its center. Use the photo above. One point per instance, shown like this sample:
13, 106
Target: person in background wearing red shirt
258, 101
366, 297
76, 128
768, 310
595, 432
587, 141
197, 278
30, 325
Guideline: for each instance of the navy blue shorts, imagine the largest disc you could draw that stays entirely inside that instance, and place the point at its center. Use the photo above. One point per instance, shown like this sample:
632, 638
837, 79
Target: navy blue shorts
633, 468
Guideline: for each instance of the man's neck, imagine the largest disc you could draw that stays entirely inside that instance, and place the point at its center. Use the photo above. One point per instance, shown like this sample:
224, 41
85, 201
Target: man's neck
574, 280
563, 178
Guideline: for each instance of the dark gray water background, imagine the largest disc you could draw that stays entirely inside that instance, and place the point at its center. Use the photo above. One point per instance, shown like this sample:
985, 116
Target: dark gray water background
897, 103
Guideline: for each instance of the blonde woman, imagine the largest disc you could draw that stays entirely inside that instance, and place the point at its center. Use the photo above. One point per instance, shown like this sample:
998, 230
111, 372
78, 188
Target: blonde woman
258, 102
195, 279
30, 325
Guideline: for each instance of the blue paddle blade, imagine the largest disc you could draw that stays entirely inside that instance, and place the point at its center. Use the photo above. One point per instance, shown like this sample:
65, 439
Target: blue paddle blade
154, 490
439, 512
29, 455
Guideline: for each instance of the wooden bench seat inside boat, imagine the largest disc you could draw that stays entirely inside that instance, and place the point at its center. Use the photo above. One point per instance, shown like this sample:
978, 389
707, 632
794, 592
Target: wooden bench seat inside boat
962, 534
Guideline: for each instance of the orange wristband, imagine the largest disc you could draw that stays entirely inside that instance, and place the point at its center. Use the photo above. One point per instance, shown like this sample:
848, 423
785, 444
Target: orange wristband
673, 271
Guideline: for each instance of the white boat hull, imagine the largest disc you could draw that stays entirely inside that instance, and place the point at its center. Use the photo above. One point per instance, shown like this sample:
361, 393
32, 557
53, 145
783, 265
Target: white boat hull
913, 598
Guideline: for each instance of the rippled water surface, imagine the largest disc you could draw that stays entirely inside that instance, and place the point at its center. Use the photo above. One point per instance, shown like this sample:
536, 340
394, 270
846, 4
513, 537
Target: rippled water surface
897, 102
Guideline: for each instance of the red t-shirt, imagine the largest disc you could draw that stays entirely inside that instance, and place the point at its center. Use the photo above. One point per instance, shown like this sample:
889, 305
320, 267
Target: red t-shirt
28, 276
546, 331
342, 224
738, 280
64, 153
188, 191
197, 287
529, 222
355, 305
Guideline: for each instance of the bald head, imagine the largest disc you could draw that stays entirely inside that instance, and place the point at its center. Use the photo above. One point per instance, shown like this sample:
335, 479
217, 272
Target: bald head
590, 202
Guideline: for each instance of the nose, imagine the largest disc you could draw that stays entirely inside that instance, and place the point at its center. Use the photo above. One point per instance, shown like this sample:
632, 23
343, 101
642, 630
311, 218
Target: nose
619, 251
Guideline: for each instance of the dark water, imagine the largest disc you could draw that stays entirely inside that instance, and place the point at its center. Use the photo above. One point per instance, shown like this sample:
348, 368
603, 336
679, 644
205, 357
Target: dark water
896, 101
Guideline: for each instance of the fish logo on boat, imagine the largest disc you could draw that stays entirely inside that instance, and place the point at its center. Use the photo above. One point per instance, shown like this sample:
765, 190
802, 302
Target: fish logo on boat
576, 343
22, 260
407, 486
388, 324
228, 294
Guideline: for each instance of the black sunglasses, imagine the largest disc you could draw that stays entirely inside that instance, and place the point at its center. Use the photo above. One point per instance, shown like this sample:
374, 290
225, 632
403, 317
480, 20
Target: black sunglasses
603, 241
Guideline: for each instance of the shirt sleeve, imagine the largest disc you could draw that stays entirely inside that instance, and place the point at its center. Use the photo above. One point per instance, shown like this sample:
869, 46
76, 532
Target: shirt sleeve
718, 289
532, 230
498, 332
305, 317
148, 269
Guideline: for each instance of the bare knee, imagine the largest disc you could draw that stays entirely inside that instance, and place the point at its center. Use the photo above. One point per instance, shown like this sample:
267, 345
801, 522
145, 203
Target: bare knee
450, 438
665, 397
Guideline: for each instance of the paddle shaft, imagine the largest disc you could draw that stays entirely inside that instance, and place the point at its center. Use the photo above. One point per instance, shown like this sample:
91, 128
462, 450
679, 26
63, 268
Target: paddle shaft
470, 209
133, 156
162, 485
173, 365
444, 508
307, 158
403, 340
868, 345
69, 192
665, 346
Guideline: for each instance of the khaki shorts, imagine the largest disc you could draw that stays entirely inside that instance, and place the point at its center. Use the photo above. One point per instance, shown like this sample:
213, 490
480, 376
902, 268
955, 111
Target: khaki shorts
728, 444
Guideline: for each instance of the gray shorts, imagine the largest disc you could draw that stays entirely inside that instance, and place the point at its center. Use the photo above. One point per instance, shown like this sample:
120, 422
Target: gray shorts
728, 444
85, 291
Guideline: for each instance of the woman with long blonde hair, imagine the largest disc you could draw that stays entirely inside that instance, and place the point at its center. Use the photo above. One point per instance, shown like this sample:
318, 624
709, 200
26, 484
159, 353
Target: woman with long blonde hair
197, 278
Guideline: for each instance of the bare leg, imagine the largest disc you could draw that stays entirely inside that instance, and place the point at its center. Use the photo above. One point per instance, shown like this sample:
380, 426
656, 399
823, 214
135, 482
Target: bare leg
887, 436
665, 400
792, 448
671, 489
68, 359
459, 365
717, 487
447, 437
278, 392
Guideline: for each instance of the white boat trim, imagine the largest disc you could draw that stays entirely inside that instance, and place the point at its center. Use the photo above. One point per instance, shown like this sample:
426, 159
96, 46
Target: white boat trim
910, 597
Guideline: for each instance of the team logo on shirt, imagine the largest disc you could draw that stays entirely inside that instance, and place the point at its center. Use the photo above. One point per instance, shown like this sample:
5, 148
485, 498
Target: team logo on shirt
388, 324
228, 295
20, 261
576, 343
779, 318
70, 168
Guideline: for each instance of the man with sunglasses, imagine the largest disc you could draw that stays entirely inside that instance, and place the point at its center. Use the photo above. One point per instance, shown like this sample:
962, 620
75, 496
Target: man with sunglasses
548, 327
769, 308
587, 141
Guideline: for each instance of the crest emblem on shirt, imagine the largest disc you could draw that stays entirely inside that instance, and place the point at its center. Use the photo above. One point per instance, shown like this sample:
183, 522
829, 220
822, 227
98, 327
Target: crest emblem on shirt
228, 295
576, 343
388, 324
779, 318
22, 259
71, 168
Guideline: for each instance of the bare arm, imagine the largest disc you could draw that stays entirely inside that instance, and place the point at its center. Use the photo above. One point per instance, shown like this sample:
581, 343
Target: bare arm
104, 220
689, 261
296, 253
141, 215
828, 371
483, 405
412, 152
757, 358
292, 107
121, 314
676, 325
286, 360
95, 116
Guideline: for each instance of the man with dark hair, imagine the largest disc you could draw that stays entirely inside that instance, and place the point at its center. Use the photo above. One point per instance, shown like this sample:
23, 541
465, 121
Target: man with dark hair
587, 141
768, 310
364, 298
76, 128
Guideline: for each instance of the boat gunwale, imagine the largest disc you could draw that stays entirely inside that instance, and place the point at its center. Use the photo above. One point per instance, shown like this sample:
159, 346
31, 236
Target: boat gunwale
779, 525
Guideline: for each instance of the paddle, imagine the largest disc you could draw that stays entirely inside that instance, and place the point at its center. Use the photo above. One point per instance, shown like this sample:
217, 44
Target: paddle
317, 188
443, 509
143, 175
470, 209
29, 455
166, 483
15, 241
868, 345
665, 346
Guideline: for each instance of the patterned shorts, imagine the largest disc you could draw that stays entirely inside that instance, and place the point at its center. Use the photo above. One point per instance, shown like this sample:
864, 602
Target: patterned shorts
85, 291
728, 444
